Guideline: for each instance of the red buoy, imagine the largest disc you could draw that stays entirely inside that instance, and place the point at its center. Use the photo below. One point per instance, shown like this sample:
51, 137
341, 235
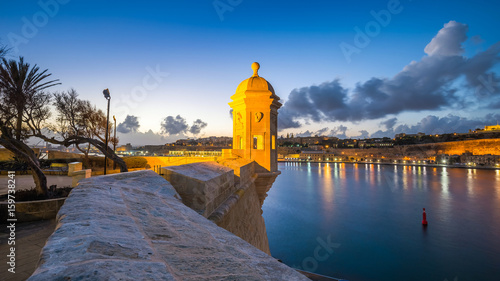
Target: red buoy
424, 218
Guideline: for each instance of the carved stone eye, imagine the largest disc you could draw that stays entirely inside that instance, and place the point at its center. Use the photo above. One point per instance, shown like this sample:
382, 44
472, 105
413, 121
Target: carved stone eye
259, 116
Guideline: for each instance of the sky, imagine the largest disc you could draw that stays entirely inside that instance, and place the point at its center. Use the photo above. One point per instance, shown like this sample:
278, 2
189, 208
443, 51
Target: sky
341, 68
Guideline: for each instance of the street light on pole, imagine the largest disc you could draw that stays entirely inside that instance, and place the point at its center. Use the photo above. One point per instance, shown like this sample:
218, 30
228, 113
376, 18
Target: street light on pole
108, 97
114, 144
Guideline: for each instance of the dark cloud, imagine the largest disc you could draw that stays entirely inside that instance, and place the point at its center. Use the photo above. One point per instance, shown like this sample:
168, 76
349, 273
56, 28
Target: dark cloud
363, 135
178, 126
339, 132
495, 105
174, 126
438, 125
304, 134
320, 132
389, 123
198, 125
429, 84
131, 124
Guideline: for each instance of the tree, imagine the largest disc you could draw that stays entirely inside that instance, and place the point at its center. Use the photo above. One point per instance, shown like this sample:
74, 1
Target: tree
78, 123
3, 51
19, 83
21, 99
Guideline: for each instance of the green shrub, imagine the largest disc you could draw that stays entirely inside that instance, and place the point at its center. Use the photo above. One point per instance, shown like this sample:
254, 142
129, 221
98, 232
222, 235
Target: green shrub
135, 162
13, 166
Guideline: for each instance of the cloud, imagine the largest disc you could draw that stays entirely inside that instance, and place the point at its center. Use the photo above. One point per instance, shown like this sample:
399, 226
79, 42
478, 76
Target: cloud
363, 135
320, 132
178, 126
197, 126
174, 126
131, 124
448, 40
140, 138
339, 132
432, 124
389, 123
428, 84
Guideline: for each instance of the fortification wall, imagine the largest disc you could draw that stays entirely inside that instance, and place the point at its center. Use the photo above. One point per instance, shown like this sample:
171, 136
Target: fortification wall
245, 220
6, 155
133, 226
477, 147
227, 190
53, 154
175, 161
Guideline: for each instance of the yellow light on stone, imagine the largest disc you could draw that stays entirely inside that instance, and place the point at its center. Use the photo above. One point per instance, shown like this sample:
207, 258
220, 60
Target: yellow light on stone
255, 126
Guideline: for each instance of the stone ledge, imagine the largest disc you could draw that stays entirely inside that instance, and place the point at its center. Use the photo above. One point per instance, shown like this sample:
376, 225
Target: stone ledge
133, 226
27, 211
202, 186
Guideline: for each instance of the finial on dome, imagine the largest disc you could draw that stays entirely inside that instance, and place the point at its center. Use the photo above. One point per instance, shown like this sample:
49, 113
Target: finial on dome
255, 67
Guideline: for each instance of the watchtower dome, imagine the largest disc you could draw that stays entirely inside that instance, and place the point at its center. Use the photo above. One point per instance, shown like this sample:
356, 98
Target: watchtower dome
255, 121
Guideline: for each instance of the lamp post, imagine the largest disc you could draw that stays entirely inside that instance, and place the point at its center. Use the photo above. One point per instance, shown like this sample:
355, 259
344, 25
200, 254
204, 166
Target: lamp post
114, 144
108, 97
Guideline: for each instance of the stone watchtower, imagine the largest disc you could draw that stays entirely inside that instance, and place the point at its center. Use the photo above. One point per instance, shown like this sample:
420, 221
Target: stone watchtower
255, 127
255, 121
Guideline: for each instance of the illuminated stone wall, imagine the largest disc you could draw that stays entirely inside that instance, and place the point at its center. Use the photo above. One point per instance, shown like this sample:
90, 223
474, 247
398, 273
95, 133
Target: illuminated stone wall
430, 150
226, 193
175, 161
6, 155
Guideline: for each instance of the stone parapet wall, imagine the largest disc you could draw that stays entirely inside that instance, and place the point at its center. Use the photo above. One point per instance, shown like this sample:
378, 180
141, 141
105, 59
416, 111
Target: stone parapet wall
33, 210
7, 155
133, 226
244, 220
54, 154
202, 186
226, 193
165, 161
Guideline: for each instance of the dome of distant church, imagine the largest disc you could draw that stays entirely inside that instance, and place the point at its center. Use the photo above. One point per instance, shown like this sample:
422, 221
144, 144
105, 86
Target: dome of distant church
256, 83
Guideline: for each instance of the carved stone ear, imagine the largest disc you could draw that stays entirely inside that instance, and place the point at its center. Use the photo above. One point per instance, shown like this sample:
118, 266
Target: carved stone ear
259, 116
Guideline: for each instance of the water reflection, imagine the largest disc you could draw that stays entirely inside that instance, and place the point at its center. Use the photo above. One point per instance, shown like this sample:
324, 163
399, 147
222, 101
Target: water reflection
379, 175
445, 183
497, 181
405, 177
328, 186
311, 200
356, 172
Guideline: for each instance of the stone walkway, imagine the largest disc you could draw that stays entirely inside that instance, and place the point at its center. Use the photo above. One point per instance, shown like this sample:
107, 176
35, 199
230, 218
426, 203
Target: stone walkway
26, 182
30, 239
133, 226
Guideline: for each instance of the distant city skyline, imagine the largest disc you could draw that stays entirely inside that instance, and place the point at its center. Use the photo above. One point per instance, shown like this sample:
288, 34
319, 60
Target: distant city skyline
356, 69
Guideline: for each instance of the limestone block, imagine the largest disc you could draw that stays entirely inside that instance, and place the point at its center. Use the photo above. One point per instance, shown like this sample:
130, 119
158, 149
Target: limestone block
78, 175
202, 186
73, 167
